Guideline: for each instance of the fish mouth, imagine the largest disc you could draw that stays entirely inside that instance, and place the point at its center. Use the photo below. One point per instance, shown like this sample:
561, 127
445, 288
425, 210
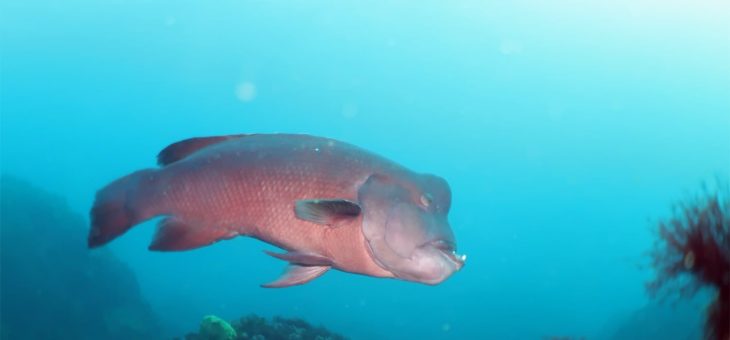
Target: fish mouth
448, 249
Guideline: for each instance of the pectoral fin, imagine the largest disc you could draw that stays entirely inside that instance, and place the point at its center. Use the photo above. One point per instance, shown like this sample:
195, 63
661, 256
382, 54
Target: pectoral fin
326, 211
297, 275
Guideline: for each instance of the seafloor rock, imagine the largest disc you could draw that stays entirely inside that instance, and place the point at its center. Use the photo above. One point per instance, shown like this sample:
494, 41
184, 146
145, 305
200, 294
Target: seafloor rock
53, 287
254, 327
215, 328
675, 320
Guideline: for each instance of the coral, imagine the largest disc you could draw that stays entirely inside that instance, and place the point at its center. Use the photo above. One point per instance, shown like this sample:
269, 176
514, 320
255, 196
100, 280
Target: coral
215, 328
53, 287
694, 250
254, 327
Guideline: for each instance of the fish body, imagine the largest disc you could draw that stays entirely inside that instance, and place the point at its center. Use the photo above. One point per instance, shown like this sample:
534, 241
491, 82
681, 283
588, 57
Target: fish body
310, 196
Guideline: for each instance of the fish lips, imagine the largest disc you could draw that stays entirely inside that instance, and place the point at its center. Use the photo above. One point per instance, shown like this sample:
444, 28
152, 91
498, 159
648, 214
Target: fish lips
448, 250
430, 263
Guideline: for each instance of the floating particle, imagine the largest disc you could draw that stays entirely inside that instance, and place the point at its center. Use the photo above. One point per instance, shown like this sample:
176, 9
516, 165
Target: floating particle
246, 91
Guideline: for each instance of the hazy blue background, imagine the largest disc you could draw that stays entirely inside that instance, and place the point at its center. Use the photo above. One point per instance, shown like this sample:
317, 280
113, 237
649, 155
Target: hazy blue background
563, 127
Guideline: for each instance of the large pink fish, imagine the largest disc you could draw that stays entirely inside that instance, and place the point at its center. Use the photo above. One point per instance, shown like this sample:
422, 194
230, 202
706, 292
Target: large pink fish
328, 204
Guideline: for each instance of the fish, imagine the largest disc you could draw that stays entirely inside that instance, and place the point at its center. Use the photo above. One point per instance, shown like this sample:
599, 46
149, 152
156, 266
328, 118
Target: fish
324, 203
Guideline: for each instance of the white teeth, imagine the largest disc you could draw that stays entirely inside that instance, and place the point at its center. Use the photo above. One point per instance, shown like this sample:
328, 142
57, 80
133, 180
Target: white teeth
462, 258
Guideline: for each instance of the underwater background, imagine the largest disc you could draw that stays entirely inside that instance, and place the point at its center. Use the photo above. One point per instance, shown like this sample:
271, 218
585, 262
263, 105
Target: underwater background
565, 129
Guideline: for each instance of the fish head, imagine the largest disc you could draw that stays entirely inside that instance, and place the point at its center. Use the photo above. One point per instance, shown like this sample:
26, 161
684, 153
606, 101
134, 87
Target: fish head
406, 227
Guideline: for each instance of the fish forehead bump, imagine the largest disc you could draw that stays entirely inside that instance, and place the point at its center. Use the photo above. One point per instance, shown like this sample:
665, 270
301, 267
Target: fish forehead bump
436, 183
414, 187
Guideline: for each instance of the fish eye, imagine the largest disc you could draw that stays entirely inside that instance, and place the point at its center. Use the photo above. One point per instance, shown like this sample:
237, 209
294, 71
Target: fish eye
426, 200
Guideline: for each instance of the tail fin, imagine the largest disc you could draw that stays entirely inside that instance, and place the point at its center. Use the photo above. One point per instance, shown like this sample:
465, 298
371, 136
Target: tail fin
118, 206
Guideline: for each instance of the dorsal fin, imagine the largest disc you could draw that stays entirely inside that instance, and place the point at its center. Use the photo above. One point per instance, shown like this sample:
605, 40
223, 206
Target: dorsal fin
177, 151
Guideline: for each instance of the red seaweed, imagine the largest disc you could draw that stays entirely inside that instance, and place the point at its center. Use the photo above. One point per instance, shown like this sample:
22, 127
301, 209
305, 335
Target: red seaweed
694, 245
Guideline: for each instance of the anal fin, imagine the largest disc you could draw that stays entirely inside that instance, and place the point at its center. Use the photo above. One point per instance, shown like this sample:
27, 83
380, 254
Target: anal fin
297, 275
174, 234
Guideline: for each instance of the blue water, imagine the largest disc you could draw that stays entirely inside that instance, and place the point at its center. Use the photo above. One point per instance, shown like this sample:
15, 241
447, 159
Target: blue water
565, 128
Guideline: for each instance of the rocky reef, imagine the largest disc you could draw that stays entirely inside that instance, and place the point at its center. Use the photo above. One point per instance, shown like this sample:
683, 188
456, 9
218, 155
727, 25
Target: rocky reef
693, 252
53, 287
254, 327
